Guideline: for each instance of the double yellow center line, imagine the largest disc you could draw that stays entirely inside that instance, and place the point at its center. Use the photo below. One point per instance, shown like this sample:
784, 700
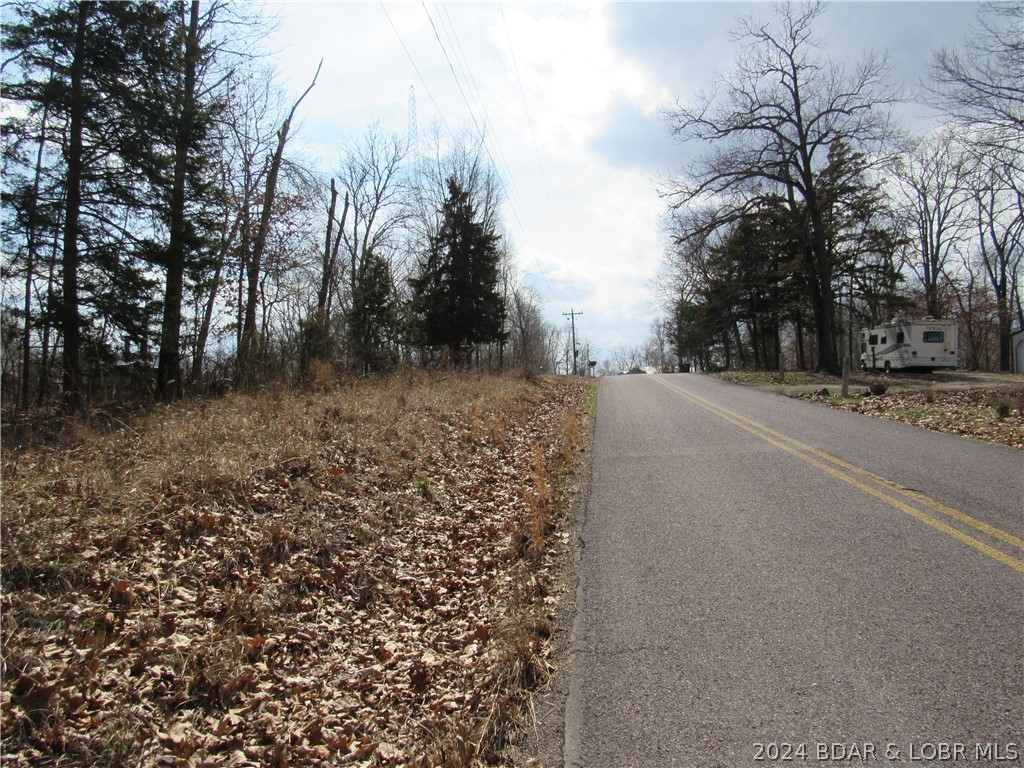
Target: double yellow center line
886, 490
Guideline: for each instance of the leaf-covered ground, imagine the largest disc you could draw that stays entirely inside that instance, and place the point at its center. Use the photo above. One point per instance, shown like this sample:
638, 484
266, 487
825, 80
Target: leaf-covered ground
984, 406
357, 577
984, 414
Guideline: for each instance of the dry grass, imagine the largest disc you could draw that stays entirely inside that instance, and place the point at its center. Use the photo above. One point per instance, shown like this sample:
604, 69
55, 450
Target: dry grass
351, 575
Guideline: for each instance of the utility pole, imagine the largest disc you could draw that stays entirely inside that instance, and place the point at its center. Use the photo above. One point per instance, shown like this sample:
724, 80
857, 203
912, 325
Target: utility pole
575, 352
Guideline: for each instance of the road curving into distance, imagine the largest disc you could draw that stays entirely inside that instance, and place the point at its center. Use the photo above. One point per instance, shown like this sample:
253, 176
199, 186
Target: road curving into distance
767, 581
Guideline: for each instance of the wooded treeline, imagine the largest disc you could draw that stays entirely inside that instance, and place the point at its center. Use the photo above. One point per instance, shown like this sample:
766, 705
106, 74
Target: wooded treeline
812, 212
159, 234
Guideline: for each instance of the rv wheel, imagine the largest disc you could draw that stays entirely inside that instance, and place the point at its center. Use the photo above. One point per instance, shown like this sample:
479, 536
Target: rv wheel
886, 365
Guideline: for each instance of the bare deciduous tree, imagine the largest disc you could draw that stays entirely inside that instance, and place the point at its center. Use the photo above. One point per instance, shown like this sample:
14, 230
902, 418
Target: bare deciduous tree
658, 351
771, 124
255, 258
931, 186
1000, 222
529, 335
982, 85
375, 184
464, 159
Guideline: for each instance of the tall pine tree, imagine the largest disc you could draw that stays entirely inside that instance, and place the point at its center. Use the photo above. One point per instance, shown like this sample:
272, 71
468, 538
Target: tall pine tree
456, 292
182, 109
86, 65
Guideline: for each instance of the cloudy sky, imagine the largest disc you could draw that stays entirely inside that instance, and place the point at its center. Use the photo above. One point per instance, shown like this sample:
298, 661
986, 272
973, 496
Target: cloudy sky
570, 96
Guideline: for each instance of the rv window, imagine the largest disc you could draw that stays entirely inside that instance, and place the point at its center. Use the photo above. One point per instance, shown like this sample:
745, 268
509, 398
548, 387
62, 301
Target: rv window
934, 337
873, 339
884, 340
899, 337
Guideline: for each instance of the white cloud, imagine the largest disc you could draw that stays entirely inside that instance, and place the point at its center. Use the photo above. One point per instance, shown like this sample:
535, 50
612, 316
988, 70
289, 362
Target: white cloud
569, 72
596, 223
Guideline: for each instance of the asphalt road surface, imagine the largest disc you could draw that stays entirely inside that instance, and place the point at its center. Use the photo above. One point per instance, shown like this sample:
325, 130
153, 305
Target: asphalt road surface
766, 581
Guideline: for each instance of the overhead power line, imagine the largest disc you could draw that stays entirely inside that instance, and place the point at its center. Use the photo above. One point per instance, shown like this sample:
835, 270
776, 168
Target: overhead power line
455, 77
505, 178
481, 120
515, 199
415, 68
536, 148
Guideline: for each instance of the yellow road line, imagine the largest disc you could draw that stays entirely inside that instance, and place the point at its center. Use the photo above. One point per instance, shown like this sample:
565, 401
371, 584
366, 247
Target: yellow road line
780, 440
917, 496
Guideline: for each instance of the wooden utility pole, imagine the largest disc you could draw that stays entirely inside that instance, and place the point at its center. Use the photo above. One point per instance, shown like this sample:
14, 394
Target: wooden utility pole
575, 352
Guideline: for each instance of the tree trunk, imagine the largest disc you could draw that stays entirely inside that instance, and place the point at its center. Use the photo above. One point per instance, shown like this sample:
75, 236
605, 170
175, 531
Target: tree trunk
168, 375
244, 247
1020, 309
779, 359
70, 321
755, 345
822, 299
741, 350
332, 243
204, 328
44, 361
30, 267
801, 357
1005, 318
328, 266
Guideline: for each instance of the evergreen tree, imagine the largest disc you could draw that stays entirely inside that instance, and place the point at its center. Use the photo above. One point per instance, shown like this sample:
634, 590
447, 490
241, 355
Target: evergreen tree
785, 105
753, 279
864, 241
182, 109
373, 318
692, 335
456, 293
87, 67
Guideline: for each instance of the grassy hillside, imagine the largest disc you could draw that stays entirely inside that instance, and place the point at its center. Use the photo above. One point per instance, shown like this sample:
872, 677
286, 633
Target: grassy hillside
361, 576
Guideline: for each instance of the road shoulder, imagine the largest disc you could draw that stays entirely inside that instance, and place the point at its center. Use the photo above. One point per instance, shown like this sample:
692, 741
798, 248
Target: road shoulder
542, 743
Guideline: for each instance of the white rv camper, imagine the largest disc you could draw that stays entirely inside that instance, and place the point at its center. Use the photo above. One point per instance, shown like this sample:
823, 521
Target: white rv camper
905, 344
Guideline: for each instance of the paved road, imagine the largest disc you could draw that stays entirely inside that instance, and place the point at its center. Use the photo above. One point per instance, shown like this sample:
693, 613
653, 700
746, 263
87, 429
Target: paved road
761, 572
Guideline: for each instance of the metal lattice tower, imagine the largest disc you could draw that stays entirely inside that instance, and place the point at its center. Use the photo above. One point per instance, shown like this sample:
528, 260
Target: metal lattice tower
413, 137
